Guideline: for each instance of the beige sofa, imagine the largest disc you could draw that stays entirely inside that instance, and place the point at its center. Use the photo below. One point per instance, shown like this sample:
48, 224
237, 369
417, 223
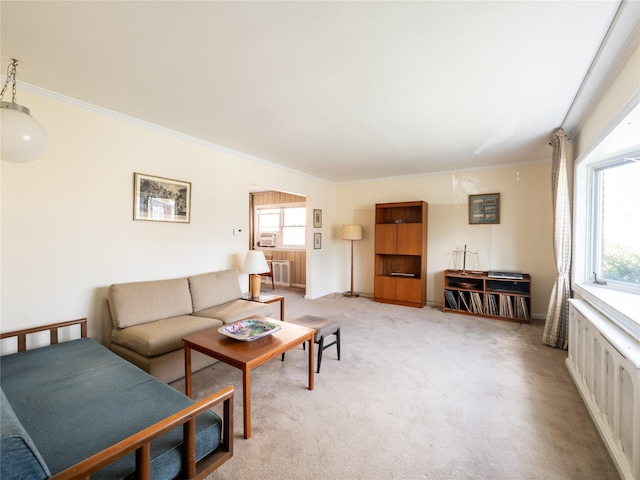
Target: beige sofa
149, 319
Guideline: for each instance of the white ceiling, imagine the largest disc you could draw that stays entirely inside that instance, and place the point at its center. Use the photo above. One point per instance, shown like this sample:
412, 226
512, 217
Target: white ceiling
344, 91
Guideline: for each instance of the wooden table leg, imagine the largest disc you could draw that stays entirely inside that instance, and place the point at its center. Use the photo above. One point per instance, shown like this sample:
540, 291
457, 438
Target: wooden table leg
282, 309
246, 401
311, 369
187, 371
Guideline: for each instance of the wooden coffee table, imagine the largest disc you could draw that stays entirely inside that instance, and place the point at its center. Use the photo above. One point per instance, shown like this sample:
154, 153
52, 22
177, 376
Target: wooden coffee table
247, 355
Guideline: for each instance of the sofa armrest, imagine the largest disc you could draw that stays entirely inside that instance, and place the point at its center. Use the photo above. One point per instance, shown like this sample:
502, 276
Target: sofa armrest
140, 442
53, 328
107, 323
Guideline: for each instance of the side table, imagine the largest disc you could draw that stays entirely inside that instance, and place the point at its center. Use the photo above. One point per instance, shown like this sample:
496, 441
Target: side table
267, 298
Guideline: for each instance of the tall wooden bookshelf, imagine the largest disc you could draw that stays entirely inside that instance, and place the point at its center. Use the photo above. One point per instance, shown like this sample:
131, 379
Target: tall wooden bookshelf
401, 254
478, 294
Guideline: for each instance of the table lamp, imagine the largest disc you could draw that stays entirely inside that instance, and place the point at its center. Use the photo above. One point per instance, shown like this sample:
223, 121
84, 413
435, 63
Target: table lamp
254, 264
351, 232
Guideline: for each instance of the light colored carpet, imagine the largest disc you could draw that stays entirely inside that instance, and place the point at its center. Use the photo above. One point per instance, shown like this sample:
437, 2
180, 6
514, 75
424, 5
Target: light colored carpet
418, 394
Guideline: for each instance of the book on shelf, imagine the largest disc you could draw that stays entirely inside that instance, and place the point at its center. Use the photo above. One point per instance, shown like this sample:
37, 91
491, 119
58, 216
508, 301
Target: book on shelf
492, 306
464, 301
525, 308
521, 308
451, 299
506, 306
476, 301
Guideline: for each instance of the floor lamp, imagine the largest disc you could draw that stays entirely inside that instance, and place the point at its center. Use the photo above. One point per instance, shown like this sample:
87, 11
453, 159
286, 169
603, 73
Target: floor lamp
351, 232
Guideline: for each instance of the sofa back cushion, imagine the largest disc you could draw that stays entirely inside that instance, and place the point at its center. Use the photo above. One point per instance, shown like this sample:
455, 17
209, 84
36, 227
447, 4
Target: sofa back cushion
20, 457
215, 288
143, 302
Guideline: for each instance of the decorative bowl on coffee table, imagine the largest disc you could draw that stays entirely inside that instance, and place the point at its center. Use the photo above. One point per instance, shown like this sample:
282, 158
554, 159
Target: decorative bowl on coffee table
249, 329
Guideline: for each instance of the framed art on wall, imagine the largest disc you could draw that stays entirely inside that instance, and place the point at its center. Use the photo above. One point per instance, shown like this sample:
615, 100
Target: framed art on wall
317, 218
484, 208
317, 241
159, 199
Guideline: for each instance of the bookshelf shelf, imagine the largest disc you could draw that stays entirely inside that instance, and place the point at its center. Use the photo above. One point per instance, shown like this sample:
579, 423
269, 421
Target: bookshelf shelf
401, 254
475, 293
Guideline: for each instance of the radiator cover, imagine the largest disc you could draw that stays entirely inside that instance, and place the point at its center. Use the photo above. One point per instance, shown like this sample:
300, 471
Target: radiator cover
605, 365
282, 272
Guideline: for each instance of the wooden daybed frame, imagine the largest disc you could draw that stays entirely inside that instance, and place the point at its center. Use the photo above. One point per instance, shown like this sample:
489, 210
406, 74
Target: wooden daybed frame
140, 442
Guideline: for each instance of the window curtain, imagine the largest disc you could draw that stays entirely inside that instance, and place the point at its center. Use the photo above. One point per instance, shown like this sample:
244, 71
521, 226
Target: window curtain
557, 322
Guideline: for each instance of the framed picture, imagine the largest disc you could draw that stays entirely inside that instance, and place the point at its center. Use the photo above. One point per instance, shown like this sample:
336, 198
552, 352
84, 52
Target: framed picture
484, 209
317, 218
160, 199
317, 241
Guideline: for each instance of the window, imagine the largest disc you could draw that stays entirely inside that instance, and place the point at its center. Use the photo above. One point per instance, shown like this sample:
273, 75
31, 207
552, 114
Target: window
606, 234
281, 226
616, 229
293, 225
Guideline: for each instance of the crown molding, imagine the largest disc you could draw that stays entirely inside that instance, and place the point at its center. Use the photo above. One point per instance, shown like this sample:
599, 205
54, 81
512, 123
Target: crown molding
158, 128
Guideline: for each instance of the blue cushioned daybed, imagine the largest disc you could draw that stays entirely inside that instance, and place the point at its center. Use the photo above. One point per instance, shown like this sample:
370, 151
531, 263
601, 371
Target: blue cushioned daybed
75, 409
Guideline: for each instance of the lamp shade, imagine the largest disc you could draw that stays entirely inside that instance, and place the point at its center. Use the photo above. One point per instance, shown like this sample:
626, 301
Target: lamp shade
23, 138
255, 263
352, 232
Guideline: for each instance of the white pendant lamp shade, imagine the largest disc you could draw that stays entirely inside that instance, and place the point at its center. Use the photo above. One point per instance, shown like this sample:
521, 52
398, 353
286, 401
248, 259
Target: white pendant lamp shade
23, 138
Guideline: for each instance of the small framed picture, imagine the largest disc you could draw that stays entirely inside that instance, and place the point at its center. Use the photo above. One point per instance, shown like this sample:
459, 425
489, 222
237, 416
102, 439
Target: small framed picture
159, 199
317, 241
317, 218
484, 209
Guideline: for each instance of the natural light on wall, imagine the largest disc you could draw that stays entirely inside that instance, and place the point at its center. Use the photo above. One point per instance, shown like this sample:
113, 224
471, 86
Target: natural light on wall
607, 224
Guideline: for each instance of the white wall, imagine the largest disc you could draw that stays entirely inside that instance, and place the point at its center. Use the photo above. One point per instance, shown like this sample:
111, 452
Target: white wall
522, 240
66, 227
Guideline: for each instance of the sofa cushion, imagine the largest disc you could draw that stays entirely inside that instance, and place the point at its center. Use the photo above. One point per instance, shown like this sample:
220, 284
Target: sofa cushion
235, 310
161, 336
213, 289
20, 457
76, 398
143, 302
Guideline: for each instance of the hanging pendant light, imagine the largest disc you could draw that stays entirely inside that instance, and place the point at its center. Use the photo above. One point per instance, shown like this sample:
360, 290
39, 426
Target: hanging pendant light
23, 138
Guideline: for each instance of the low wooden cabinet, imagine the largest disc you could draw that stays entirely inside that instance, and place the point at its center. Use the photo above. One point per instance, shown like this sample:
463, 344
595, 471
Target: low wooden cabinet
401, 254
479, 294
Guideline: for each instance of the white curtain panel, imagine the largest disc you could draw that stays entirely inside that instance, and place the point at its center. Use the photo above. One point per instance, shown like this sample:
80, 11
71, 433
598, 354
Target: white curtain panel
557, 322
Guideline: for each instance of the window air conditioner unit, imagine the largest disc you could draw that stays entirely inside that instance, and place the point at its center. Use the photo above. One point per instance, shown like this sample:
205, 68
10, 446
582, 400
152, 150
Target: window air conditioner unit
267, 240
